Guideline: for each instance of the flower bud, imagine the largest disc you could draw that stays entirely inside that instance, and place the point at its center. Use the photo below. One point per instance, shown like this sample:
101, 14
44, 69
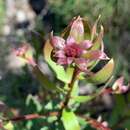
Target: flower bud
119, 87
77, 29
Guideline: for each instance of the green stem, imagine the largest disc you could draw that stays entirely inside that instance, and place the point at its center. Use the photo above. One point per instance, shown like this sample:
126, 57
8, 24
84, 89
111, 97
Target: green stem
70, 85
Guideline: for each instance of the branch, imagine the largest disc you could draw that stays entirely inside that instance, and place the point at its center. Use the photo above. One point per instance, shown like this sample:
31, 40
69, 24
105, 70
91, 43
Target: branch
95, 124
31, 116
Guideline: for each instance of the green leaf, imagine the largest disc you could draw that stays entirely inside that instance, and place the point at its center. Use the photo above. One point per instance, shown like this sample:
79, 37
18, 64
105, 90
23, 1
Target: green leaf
35, 100
87, 28
69, 73
69, 120
74, 93
97, 45
61, 74
82, 99
75, 89
29, 125
83, 123
81, 76
9, 126
102, 75
43, 79
44, 128
92, 64
98, 42
49, 106
51, 119
94, 28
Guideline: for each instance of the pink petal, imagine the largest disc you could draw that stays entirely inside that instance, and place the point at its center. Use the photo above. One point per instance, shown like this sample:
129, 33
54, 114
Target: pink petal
86, 44
70, 60
82, 64
105, 124
60, 54
57, 42
62, 61
103, 56
120, 81
123, 88
94, 55
70, 40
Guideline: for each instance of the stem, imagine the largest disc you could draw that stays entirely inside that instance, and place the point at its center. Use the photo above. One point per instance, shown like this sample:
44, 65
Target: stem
94, 123
70, 85
31, 116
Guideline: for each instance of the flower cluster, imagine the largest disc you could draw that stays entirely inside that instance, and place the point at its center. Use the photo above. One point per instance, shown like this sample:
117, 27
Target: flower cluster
75, 50
25, 52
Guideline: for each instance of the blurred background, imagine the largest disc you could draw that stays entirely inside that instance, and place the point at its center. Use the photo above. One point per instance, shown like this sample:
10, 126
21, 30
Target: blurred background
31, 21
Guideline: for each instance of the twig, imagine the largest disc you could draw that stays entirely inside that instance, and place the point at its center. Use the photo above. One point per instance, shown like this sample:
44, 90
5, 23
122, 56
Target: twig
95, 124
31, 116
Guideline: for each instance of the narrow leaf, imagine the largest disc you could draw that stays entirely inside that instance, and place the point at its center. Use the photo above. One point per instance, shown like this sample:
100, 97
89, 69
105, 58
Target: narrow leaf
69, 120
102, 75
94, 28
99, 42
97, 45
82, 99
87, 29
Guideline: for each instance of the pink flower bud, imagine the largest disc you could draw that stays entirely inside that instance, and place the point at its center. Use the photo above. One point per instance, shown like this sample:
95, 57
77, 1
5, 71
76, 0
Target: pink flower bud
77, 29
119, 87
